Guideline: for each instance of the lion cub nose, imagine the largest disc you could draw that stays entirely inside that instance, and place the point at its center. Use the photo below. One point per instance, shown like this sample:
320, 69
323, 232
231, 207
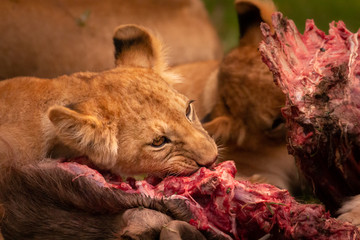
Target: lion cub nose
210, 163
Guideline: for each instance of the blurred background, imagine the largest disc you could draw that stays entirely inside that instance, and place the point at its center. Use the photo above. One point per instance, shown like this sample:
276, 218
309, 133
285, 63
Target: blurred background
223, 15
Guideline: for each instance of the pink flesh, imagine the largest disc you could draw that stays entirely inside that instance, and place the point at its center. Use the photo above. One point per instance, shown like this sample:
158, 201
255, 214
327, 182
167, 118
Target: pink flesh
320, 76
234, 209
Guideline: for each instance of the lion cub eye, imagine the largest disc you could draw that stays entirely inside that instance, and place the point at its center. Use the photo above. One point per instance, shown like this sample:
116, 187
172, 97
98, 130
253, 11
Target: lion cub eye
160, 141
279, 121
188, 111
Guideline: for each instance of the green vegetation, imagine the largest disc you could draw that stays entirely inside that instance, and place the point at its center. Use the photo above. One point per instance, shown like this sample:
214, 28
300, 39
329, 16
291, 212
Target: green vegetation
322, 11
224, 17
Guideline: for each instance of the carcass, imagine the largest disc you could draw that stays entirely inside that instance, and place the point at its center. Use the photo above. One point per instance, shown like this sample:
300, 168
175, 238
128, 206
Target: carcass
211, 200
319, 73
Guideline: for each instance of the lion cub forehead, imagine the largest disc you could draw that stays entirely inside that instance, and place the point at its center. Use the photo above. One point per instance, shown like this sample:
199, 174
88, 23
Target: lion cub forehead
151, 84
144, 89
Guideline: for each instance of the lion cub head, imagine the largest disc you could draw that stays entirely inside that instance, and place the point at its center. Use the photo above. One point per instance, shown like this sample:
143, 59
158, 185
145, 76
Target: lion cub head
135, 122
247, 110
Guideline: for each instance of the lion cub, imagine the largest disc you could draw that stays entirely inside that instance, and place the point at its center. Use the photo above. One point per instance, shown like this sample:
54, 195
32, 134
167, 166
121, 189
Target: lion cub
127, 120
239, 103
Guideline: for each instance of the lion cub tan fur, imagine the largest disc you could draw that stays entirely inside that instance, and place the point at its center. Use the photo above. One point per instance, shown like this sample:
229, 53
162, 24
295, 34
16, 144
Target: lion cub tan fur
127, 120
239, 103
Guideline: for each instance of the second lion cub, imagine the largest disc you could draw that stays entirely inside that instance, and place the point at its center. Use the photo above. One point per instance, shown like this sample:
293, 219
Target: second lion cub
127, 120
239, 103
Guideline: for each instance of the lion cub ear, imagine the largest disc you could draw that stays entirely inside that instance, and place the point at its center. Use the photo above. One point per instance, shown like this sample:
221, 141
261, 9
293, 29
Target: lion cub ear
136, 46
86, 134
250, 14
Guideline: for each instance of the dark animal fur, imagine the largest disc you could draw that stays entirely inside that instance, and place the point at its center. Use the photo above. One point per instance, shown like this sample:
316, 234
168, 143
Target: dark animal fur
45, 202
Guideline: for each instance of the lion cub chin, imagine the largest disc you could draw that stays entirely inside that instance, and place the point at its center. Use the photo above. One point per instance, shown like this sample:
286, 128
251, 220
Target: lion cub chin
127, 120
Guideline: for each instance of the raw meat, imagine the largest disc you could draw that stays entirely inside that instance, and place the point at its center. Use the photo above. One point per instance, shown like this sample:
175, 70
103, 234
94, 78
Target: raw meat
233, 209
320, 75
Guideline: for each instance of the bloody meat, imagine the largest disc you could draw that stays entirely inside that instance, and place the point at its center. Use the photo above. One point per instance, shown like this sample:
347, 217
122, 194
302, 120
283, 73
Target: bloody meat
319, 73
69, 198
231, 209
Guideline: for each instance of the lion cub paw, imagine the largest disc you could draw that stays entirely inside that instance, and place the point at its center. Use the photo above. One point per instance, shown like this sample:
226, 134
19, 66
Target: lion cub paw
350, 211
258, 178
255, 178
